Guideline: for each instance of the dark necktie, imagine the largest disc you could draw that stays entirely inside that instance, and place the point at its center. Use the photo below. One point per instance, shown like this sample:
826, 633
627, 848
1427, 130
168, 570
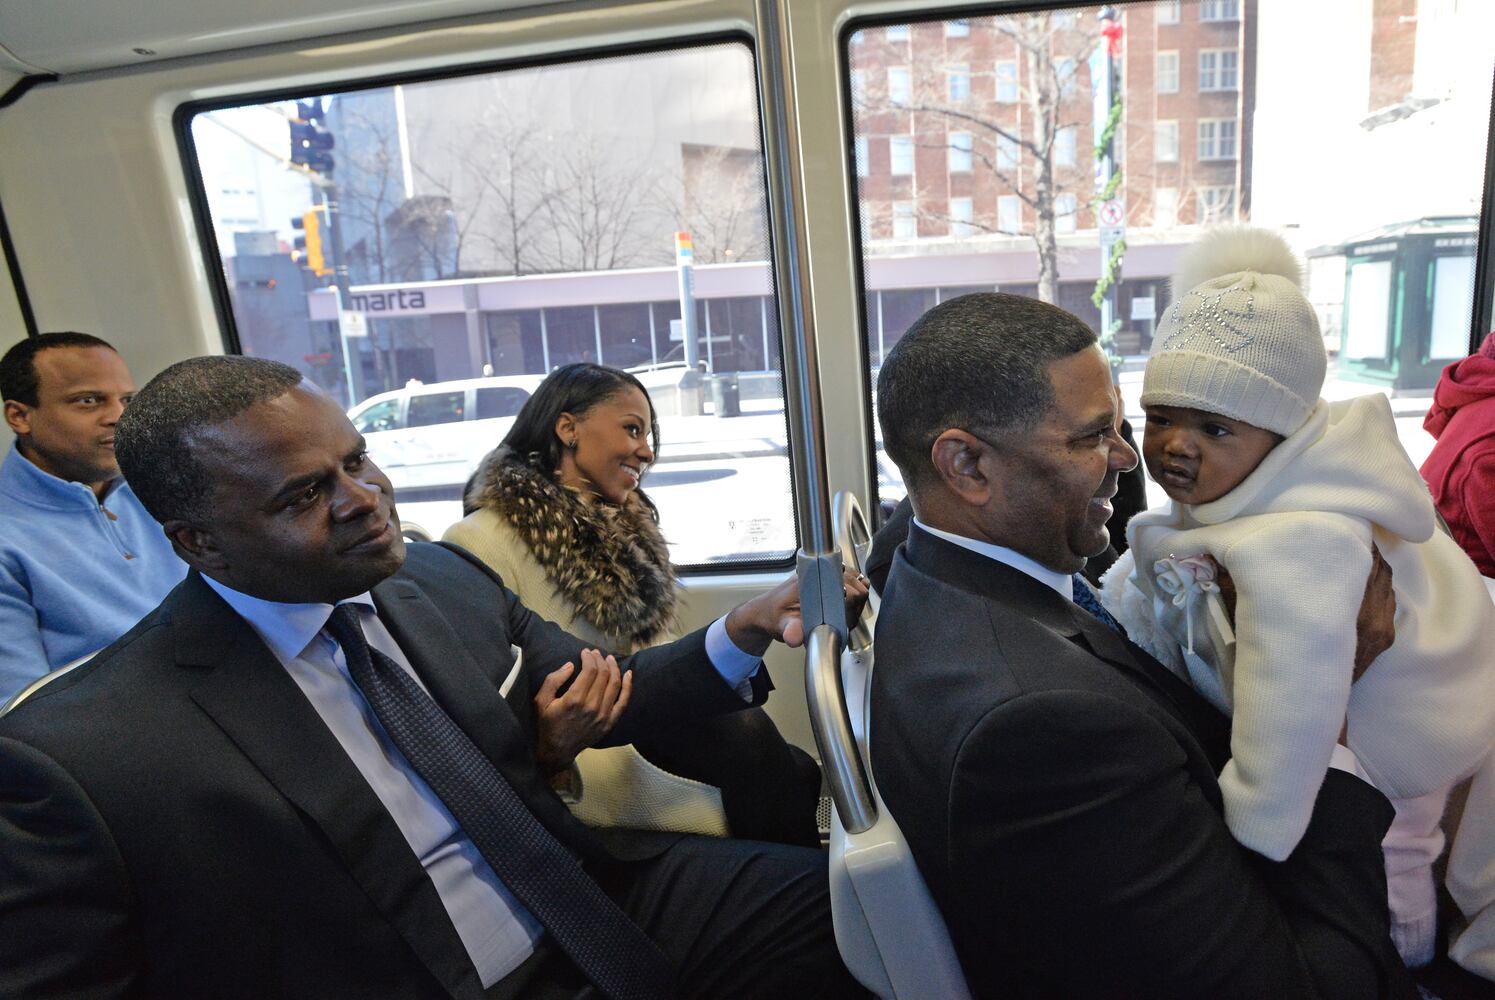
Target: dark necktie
1086, 599
538, 869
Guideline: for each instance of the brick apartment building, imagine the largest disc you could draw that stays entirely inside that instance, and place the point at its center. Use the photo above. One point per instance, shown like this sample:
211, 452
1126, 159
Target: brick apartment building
950, 142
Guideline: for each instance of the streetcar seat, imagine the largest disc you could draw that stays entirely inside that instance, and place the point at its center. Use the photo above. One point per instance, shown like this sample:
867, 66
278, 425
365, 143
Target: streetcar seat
889, 930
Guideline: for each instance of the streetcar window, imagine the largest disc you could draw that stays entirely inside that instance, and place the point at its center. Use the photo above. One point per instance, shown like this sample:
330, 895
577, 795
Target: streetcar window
505, 222
1183, 115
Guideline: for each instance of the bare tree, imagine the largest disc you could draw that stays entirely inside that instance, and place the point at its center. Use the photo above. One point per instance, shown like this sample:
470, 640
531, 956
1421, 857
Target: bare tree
503, 159
1052, 52
718, 198
596, 211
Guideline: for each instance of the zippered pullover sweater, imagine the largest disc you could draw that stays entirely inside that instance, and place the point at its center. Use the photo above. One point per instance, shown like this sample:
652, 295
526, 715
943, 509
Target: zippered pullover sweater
1296, 538
75, 573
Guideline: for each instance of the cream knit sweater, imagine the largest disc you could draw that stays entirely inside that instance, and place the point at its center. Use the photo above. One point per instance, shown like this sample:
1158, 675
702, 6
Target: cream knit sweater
1296, 538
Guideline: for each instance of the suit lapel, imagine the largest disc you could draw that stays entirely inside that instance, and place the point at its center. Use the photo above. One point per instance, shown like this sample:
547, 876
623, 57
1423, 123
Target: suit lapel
249, 695
450, 673
997, 581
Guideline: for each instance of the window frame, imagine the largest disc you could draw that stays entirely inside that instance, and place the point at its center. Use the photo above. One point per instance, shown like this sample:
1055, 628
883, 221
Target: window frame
1015, 82
195, 183
1158, 130
911, 217
967, 221
966, 150
1217, 11
1216, 141
908, 74
1158, 72
899, 141
1216, 71
954, 73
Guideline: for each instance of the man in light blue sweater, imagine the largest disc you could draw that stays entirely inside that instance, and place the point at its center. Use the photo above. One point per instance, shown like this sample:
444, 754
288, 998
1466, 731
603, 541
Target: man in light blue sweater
80, 559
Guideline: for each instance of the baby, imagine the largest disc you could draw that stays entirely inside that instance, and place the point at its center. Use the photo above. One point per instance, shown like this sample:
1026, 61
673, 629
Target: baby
1289, 493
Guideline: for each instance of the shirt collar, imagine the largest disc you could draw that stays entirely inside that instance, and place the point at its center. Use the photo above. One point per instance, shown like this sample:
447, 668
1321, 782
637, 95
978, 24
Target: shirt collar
28, 481
286, 628
1058, 581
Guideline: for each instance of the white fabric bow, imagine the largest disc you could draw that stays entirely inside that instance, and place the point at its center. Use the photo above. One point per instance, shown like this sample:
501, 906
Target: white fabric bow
1186, 579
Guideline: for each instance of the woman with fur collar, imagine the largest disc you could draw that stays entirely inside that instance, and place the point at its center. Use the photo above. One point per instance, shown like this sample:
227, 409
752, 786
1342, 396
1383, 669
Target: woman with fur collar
556, 510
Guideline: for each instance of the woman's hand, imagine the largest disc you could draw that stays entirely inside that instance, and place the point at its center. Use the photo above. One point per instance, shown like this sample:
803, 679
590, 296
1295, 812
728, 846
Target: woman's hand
567, 724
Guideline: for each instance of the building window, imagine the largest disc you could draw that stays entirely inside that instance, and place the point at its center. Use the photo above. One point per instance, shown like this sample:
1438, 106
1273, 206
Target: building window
1165, 149
900, 85
1064, 146
1010, 214
959, 82
1063, 19
897, 33
861, 158
1220, 10
1007, 81
1165, 207
960, 152
1007, 153
1066, 213
1168, 11
1218, 69
858, 87
901, 155
1167, 82
1067, 72
1217, 138
961, 215
905, 226
1216, 204
958, 27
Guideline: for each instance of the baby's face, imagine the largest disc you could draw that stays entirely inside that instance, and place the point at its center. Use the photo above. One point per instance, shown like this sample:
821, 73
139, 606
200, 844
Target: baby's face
1197, 456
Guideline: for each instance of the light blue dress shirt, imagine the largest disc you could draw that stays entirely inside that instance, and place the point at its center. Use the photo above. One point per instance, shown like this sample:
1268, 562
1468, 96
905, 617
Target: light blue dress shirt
495, 928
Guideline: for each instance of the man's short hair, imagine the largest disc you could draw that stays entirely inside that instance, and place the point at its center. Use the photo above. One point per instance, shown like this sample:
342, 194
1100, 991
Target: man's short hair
977, 362
156, 436
18, 378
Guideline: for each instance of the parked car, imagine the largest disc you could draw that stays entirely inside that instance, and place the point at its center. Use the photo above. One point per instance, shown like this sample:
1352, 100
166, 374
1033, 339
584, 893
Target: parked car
429, 438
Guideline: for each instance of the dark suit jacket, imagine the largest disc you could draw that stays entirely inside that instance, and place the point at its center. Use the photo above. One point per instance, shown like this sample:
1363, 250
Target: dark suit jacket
1057, 787
176, 820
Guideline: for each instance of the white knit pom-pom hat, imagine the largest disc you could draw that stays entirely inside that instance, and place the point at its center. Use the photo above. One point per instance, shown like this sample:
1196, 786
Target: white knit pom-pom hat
1240, 338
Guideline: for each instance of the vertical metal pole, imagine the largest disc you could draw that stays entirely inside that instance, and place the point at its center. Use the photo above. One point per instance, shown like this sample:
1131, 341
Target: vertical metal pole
544, 341
597, 332
653, 343
819, 561
791, 264
332, 215
763, 328
706, 308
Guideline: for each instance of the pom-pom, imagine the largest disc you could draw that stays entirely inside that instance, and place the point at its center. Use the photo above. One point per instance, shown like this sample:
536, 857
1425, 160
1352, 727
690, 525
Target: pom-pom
1233, 249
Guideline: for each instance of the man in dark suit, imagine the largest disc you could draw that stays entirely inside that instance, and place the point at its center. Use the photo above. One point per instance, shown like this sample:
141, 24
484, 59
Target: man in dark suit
311, 771
1057, 785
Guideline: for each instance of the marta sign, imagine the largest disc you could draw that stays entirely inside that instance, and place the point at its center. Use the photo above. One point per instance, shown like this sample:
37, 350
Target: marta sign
386, 300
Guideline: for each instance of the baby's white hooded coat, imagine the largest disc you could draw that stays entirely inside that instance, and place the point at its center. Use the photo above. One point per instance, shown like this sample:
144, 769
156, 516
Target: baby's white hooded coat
1296, 538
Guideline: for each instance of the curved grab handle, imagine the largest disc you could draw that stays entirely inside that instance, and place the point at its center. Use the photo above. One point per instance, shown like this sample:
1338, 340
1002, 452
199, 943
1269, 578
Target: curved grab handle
844, 771
853, 537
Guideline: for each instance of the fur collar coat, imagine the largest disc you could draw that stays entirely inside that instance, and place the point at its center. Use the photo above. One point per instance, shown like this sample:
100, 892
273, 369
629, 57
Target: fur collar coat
609, 562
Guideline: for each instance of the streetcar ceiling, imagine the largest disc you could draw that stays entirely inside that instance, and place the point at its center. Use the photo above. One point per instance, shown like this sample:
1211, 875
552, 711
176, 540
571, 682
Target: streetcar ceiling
74, 36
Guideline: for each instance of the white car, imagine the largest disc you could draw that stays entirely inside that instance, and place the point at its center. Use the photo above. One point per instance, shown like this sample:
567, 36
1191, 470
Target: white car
429, 438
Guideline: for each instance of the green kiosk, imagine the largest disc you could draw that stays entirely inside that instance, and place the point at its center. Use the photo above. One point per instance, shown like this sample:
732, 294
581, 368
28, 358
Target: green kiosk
1407, 295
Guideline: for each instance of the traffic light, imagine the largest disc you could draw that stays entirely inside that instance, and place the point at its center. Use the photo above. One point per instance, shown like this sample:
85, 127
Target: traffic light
311, 143
308, 247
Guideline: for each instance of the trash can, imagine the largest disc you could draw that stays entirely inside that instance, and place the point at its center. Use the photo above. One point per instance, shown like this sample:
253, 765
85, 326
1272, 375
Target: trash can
725, 400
